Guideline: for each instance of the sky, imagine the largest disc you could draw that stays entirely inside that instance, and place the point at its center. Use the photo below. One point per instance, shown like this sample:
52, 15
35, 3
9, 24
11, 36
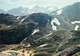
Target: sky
9, 4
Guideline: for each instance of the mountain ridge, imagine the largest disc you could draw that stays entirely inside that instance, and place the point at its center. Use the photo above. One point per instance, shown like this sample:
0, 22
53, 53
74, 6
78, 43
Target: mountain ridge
21, 11
56, 33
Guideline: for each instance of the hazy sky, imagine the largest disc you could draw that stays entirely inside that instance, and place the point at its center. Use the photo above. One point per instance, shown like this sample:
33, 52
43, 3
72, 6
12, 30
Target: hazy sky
9, 4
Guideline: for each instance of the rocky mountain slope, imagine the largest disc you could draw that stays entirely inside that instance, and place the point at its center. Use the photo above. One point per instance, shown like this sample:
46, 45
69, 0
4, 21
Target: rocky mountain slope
49, 34
2, 11
68, 17
21, 11
17, 28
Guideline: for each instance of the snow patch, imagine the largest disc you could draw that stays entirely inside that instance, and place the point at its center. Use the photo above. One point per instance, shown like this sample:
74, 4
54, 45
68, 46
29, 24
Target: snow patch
51, 8
32, 12
55, 20
59, 11
23, 19
43, 45
18, 18
35, 31
76, 27
22, 11
74, 22
9, 26
53, 26
48, 35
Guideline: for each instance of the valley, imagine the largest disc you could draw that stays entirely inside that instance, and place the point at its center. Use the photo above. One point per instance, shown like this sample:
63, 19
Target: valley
41, 34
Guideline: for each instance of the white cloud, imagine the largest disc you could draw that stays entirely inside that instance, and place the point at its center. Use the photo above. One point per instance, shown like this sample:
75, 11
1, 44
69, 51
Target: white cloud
10, 3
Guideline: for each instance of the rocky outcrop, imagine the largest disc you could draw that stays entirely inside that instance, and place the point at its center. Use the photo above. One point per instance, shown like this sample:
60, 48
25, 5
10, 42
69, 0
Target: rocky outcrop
69, 51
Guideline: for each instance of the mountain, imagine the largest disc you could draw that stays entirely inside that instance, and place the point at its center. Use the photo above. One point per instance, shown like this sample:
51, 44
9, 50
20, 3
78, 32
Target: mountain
54, 34
61, 19
68, 17
72, 12
14, 25
48, 9
63, 37
20, 11
2, 11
